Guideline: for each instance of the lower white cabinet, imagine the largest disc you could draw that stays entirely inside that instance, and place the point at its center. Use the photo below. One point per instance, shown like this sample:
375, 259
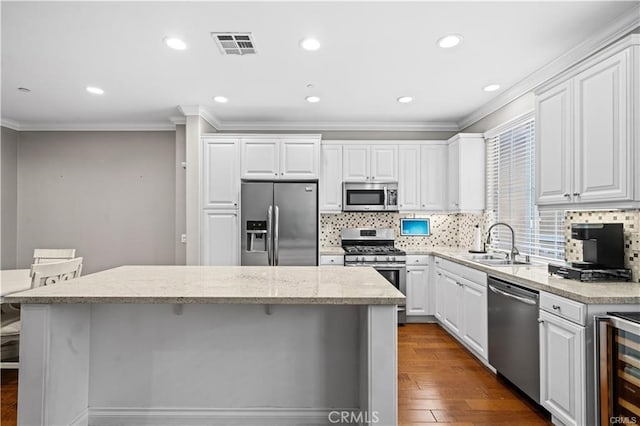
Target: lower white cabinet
331, 260
562, 368
418, 290
220, 235
461, 303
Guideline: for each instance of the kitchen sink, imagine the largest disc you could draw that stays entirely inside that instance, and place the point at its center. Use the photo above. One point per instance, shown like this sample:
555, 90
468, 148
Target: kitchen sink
501, 261
486, 256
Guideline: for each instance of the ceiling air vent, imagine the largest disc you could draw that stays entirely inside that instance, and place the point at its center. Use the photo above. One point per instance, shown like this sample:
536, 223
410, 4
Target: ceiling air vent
235, 43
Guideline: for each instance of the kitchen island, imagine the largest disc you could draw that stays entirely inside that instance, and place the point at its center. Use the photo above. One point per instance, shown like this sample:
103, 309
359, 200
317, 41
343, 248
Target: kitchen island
210, 345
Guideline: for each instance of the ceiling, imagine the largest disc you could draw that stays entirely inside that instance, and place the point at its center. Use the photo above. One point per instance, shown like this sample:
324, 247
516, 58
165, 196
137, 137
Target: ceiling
371, 53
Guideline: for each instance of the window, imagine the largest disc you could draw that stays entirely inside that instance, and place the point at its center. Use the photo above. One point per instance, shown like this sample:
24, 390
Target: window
511, 193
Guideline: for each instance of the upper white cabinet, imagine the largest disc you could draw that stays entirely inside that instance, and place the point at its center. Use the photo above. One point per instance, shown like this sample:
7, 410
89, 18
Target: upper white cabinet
220, 173
422, 176
280, 157
365, 162
584, 130
466, 172
330, 185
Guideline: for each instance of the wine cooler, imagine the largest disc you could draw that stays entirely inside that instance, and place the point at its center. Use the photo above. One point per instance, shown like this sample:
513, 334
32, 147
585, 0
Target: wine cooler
618, 368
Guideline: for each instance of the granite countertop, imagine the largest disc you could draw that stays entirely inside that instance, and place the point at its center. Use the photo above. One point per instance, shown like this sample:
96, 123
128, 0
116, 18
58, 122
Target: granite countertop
331, 251
326, 285
537, 277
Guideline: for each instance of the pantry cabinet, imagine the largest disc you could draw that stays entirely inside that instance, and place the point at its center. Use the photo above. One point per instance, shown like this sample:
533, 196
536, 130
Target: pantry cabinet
220, 238
367, 162
281, 157
330, 186
422, 177
584, 130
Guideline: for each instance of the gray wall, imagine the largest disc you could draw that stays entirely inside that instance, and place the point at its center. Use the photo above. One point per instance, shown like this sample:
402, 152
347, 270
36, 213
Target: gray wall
519, 106
9, 197
110, 195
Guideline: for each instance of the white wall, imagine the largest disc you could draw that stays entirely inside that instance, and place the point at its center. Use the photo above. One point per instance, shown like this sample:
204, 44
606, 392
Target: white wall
110, 195
9, 197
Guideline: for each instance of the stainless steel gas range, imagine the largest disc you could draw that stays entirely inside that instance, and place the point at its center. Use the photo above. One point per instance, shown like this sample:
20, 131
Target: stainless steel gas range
375, 248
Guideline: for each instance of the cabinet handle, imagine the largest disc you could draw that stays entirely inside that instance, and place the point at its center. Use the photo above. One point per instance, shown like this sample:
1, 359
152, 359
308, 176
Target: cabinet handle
275, 174
556, 307
567, 195
540, 320
373, 177
439, 274
576, 194
281, 173
235, 204
423, 205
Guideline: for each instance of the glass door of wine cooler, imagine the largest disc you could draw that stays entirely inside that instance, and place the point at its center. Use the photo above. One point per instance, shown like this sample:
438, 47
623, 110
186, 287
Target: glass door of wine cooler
618, 368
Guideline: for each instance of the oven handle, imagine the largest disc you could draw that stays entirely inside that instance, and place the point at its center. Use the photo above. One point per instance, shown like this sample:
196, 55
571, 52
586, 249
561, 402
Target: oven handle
379, 265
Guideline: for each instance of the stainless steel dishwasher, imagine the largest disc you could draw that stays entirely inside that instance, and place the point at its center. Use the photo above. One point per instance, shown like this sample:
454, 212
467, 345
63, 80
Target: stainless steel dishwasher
514, 342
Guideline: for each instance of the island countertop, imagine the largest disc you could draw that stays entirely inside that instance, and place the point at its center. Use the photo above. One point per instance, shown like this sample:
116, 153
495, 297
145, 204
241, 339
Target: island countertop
302, 285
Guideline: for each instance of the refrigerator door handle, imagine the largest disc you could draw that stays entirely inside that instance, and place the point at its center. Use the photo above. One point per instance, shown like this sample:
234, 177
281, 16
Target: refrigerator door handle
276, 237
269, 235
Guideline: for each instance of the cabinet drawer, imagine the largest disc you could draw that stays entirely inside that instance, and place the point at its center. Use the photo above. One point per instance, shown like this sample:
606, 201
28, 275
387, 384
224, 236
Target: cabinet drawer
478, 277
568, 309
414, 259
331, 260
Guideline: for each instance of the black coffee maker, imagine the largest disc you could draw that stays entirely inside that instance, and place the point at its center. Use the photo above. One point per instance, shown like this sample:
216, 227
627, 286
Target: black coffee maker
602, 254
602, 245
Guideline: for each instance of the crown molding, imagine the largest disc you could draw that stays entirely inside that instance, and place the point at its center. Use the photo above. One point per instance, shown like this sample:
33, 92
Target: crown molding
10, 124
93, 127
407, 126
619, 27
211, 119
178, 120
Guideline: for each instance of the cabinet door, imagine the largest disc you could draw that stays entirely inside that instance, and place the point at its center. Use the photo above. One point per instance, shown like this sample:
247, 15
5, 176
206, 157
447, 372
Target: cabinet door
384, 162
562, 369
417, 290
355, 163
451, 302
433, 177
220, 238
554, 163
299, 159
331, 178
439, 294
474, 312
221, 173
602, 146
260, 158
453, 181
409, 181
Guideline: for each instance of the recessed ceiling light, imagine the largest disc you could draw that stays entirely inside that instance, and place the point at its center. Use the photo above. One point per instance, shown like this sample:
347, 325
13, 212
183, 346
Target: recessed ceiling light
24, 90
175, 43
310, 86
450, 40
220, 99
404, 99
95, 90
312, 99
310, 44
491, 88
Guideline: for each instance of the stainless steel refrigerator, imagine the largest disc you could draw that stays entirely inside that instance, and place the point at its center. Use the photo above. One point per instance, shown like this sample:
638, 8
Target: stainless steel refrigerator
279, 222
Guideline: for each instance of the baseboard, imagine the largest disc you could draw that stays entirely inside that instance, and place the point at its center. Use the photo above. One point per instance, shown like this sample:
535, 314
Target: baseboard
81, 419
421, 319
194, 416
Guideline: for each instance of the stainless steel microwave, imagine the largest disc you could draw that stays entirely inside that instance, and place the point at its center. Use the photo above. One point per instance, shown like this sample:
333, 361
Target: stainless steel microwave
370, 196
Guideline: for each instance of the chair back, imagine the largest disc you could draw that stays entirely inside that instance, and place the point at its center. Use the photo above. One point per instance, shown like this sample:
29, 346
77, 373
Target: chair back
52, 273
52, 255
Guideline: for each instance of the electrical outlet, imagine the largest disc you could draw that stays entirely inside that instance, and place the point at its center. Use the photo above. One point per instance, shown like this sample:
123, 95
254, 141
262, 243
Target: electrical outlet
183, 238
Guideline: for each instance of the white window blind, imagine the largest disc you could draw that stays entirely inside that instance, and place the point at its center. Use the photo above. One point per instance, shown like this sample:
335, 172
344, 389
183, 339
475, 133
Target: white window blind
511, 195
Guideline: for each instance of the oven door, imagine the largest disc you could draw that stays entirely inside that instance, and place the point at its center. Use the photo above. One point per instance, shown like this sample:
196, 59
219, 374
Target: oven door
397, 276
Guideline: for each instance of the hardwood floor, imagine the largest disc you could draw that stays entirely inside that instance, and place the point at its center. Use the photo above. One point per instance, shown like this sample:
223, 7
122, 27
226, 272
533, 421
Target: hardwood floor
438, 382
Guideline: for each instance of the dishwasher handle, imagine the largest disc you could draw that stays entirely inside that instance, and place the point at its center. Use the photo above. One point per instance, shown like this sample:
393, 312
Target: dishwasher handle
513, 296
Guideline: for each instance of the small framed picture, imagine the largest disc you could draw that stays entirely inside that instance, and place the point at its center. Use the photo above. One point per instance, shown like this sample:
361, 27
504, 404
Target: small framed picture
415, 227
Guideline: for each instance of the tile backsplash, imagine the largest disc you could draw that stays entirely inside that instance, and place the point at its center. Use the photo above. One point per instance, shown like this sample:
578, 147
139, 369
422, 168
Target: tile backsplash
447, 230
631, 223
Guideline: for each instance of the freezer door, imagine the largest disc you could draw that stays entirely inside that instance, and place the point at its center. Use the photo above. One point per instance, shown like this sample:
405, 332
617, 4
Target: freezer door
256, 198
297, 227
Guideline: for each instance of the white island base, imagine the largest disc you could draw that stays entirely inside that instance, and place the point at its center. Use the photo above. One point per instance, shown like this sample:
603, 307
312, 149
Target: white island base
207, 364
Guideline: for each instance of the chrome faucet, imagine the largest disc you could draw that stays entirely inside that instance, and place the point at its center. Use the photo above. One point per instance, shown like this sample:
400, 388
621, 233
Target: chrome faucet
514, 250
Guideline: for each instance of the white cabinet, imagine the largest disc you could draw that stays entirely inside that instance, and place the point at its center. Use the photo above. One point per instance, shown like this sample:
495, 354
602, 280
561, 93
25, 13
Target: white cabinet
221, 173
280, 157
584, 135
364, 162
419, 288
562, 369
330, 185
220, 238
461, 304
331, 260
422, 177
466, 172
